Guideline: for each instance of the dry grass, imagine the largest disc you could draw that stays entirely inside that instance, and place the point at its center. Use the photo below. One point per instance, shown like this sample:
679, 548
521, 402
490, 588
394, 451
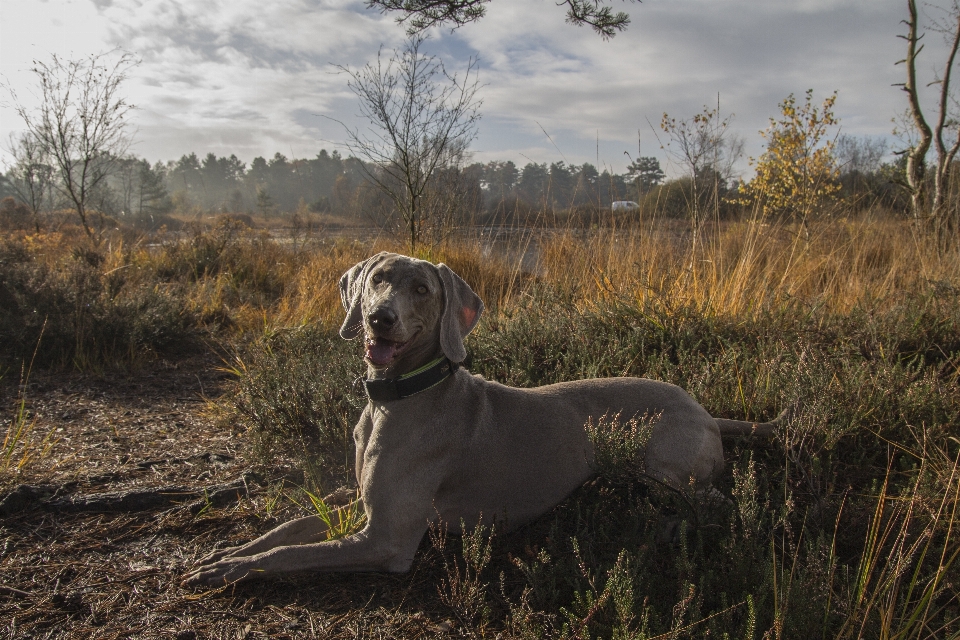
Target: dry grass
744, 269
846, 528
741, 269
241, 276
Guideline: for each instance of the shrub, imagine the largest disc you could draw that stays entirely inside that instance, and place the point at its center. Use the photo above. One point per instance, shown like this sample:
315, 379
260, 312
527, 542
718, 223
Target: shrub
297, 398
82, 312
14, 214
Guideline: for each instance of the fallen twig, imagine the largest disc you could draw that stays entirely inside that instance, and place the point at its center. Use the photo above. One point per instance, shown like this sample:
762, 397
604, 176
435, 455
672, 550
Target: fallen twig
25, 497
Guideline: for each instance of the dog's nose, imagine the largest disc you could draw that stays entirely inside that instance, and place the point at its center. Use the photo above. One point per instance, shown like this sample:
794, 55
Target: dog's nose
383, 318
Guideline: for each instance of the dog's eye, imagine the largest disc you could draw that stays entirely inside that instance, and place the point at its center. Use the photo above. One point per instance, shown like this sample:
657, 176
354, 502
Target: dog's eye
377, 278
421, 289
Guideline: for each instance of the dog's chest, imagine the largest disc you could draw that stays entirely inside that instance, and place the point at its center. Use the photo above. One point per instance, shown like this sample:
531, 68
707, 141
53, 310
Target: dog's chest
388, 437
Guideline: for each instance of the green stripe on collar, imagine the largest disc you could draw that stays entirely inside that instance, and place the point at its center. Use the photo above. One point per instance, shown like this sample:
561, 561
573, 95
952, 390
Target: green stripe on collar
411, 383
421, 369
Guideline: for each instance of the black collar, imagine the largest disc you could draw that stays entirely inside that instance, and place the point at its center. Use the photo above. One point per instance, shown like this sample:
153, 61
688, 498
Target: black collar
411, 383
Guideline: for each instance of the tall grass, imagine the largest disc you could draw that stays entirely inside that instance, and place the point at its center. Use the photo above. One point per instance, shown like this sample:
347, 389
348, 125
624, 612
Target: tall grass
135, 298
846, 527
742, 269
747, 268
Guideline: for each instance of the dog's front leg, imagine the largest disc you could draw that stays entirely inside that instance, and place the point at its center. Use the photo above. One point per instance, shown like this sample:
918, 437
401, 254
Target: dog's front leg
299, 531
372, 549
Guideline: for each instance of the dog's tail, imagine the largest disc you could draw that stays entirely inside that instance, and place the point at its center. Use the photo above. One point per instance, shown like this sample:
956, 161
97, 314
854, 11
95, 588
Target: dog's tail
765, 430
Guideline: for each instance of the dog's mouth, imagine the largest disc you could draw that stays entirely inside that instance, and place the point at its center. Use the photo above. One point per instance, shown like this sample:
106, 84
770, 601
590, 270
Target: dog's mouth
381, 352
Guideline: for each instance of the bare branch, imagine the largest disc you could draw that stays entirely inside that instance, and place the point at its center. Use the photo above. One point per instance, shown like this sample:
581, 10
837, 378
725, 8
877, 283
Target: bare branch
31, 175
705, 147
421, 119
945, 156
943, 213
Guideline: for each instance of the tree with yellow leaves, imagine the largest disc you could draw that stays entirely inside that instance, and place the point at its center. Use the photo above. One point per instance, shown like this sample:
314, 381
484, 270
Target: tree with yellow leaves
798, 172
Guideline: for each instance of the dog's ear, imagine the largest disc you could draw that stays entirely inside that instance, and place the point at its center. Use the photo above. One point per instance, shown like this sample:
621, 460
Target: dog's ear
351, 288
461, 312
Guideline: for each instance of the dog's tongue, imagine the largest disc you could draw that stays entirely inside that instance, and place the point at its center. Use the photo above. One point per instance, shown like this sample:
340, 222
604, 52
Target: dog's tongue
380, 351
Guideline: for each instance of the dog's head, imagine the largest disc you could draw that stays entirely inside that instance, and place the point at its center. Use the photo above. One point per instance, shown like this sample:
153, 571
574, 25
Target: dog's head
406, 308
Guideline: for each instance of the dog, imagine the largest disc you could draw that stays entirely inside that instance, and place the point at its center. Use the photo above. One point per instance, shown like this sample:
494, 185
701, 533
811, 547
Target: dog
436, 442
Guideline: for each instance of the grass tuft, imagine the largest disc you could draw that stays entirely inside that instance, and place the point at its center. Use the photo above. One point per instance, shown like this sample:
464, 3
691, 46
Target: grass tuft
20, 444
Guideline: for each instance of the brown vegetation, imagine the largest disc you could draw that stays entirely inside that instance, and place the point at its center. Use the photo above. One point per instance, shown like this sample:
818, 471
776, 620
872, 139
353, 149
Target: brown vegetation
845, 528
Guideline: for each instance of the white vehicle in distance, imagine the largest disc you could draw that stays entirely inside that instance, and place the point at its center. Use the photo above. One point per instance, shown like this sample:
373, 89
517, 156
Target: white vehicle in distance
624, 205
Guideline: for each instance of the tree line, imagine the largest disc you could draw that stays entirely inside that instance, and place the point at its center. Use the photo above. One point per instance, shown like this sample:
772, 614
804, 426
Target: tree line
141, 192
138, 191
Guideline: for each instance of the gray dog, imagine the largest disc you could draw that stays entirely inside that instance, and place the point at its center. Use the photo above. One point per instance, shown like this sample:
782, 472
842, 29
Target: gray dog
435, 441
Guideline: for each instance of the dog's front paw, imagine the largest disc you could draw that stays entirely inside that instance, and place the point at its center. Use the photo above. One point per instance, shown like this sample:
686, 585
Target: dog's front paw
222, 572
216, 556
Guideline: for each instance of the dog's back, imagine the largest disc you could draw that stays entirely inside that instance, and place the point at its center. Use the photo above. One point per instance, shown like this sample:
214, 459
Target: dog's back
522, 451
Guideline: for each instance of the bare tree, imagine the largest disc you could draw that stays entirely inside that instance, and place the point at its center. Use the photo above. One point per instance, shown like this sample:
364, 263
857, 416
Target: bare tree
704, 145
80, 125
31, 175
859, 154
943, 216
421, 119
420, 15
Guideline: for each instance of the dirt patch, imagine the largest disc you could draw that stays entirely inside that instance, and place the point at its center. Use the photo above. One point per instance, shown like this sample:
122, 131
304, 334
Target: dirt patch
114, 571
126, 429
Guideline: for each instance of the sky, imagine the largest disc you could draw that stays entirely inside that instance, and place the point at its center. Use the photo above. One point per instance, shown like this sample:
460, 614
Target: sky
254, 78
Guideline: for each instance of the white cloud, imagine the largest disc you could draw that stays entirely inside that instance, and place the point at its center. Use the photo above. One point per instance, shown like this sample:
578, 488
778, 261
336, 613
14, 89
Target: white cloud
35, 31
679, 55
253, 78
